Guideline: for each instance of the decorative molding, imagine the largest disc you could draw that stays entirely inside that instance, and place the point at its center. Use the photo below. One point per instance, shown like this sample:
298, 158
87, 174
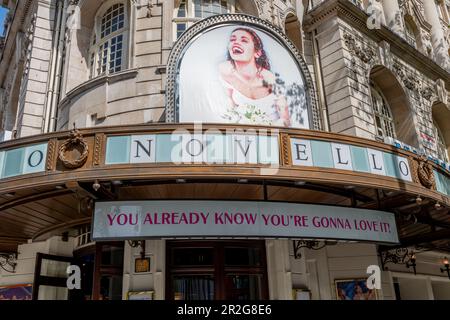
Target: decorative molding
385, 54
51, 154
309, 244
422, 172
410, 81
405, 256
98, 148
427, 93
366, 54
260, 6
285, 145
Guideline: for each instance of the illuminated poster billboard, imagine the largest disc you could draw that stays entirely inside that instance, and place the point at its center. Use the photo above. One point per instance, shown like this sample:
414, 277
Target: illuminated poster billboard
241, 73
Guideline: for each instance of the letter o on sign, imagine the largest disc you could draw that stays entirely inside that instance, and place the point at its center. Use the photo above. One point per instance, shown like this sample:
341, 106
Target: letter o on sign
190, 148
35, 158
403, 168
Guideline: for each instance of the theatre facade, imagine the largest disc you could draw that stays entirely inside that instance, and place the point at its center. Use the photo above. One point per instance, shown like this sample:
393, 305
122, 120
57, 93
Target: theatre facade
203, 149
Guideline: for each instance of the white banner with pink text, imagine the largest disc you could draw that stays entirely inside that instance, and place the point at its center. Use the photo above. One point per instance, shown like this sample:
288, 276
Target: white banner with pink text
239, 219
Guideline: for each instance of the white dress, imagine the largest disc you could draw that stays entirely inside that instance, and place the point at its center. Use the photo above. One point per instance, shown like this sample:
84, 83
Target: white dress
246, 110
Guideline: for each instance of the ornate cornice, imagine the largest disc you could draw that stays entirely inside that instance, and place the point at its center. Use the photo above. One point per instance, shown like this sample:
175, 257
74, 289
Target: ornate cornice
357, 18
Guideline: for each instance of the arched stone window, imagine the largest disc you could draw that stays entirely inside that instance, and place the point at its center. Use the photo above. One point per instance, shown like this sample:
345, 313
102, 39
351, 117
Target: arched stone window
441, 114
384, 121
392, 112
187, 12
109, 42
410, 33
293, 30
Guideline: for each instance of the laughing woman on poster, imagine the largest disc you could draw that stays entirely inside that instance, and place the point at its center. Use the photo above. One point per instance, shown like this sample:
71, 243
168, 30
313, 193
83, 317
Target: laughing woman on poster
250, 84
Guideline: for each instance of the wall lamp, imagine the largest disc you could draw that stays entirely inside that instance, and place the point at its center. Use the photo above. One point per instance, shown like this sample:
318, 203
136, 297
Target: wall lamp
446, 267
8, 262
412, 262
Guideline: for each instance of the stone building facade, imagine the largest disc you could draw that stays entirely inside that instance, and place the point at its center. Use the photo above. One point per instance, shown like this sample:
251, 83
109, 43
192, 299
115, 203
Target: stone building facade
380, 70
49, 82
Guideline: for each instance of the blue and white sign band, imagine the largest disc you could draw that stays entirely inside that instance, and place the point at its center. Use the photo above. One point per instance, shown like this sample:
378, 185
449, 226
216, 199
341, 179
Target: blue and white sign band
347, 157
25, 160
400, 145
195, 148
442, 183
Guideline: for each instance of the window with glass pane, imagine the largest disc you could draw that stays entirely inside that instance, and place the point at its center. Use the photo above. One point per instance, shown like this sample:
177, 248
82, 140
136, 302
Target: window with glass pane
53, 268
189, 11
208, 8
52, 293
111, 287
243, 257
244, 286
384, 121
112, 256
112, 20
195, 287
109, 52
193, 256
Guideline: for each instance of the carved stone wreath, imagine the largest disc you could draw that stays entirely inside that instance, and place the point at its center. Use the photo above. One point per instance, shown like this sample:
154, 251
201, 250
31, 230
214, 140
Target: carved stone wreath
75, 142
425, 173
202, 25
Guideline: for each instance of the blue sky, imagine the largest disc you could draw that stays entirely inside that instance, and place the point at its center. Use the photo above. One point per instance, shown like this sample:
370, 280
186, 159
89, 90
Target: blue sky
3, 12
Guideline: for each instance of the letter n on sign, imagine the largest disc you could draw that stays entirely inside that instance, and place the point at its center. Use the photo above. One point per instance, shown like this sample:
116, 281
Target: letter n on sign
143, 149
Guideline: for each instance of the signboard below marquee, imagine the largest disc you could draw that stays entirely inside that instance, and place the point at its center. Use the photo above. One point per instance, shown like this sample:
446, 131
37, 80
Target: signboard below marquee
168, 219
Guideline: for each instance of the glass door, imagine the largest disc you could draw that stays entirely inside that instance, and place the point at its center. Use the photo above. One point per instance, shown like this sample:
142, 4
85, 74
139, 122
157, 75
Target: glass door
108, 271
50, 277
85, 259
216, 270
191, 272
245, 271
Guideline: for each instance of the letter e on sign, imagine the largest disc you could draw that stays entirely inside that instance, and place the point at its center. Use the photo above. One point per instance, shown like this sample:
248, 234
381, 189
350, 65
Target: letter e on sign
301, 152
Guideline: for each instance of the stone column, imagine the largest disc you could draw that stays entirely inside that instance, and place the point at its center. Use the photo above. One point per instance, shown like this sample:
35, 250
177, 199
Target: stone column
393, 16
438, 40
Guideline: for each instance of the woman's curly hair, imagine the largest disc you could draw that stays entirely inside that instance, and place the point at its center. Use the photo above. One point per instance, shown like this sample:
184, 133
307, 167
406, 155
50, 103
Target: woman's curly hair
263, 61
